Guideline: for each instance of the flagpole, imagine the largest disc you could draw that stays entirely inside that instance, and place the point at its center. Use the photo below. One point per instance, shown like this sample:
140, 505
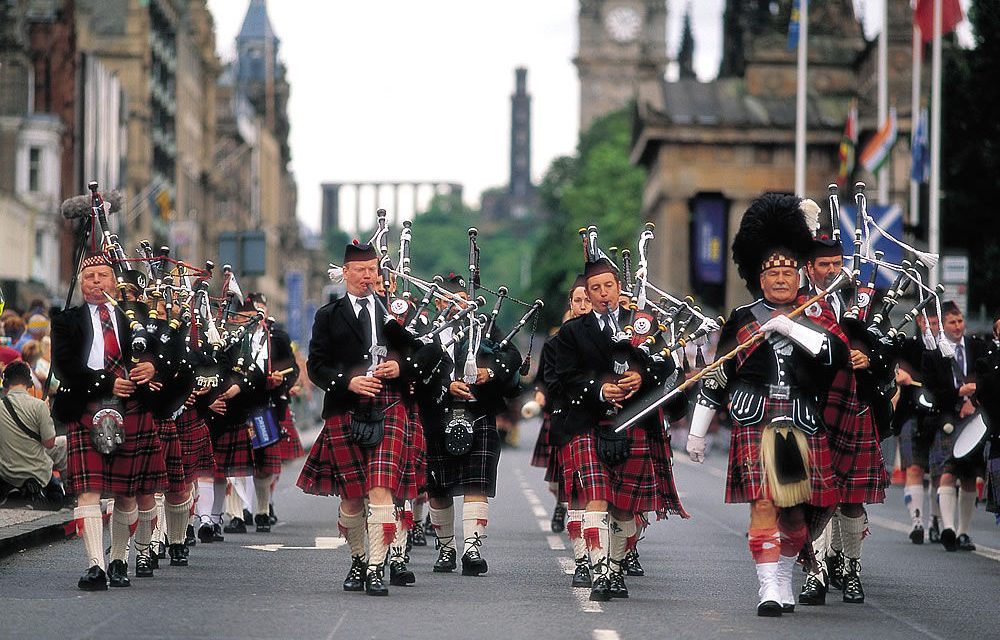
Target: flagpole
934, 204
882, 178
800, 101
914, 216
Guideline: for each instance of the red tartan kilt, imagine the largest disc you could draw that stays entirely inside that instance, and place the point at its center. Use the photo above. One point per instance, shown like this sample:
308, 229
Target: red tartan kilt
337, 466
137, 468
173, 454
196, 445
858, 463
415, 469
233, 454
745, 479
290, 444
632, 486
542, 455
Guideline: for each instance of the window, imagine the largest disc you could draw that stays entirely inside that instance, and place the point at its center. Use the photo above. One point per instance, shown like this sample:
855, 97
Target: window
34, 169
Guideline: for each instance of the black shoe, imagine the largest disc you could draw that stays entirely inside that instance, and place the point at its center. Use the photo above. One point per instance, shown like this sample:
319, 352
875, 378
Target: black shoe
94, 580
236, 525
814, 590
631, 564
948, 540
934, 532
446, 560
917, 535
247, 516
206, 534
558, 518
143, 565
428, 527
263, 523
161, 552
375, 583
417, 537
189, 538
355, 580
965, 543
273, 519
787, 608
769, 609
616, 585
600, 591
217, 533
118, 574
473, 564
178, 555
581, 577
854, 592
400, 575
835, 570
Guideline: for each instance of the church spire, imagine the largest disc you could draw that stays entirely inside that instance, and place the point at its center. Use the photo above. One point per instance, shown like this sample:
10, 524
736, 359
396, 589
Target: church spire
685, 55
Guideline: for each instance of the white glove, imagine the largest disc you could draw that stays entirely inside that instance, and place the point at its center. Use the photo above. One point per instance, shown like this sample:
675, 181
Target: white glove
696, 447
809, 339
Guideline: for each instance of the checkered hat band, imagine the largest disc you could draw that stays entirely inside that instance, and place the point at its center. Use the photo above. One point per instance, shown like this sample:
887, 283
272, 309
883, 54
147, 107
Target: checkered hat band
777, 260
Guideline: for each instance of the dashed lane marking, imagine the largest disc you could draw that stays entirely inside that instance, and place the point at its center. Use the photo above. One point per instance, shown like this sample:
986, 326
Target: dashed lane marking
539, 511
544, 525
556, 543
894, 525
567, 565
605, 634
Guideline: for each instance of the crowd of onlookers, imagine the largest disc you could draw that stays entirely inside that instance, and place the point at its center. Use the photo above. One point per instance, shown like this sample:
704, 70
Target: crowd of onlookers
32, 456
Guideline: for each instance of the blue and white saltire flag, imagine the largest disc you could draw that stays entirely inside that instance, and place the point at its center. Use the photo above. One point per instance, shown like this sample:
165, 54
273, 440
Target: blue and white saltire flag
888, 217
793, 26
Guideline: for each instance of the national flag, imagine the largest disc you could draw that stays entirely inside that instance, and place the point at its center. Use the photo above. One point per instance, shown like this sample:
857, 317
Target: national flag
793, 26
889, 218
876, 151
921, 156
923, 17
848, 145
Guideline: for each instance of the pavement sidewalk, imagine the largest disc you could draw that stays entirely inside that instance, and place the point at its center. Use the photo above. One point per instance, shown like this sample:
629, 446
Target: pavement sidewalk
22, 528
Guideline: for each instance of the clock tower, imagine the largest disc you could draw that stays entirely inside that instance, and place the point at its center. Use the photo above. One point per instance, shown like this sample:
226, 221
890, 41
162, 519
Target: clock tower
622, 43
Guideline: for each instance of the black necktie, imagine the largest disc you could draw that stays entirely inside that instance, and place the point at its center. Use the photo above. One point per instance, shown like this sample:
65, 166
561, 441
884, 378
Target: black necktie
959, 364
366, 321
608, 331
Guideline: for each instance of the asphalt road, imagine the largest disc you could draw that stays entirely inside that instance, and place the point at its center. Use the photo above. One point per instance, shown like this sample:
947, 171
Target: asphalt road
699, 582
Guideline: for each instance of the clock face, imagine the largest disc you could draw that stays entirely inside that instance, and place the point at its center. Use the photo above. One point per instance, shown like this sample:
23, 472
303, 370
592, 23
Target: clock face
623, 23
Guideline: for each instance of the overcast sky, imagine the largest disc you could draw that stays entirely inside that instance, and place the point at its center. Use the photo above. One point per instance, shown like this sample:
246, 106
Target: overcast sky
403, 90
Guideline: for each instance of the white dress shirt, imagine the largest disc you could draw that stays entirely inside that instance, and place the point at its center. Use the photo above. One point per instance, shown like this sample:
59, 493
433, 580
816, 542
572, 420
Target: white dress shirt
95, 360
371, 312
600, 319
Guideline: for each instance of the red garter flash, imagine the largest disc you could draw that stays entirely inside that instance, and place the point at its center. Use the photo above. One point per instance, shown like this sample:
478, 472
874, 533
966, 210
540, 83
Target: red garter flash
592, 536
388, 532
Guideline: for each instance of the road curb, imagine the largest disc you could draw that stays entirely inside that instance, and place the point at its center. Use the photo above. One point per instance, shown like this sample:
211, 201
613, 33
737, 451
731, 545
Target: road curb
18, 537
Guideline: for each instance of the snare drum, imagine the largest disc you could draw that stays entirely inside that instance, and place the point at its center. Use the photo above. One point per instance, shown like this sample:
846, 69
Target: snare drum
972, 432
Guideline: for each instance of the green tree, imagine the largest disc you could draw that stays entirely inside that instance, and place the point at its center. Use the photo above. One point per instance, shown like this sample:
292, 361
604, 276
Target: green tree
598, 186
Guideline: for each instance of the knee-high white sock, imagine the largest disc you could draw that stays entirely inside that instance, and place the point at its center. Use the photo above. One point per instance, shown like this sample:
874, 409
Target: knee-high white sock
852, 533
90, 527
574, 526
262, 489
352, 527
123, 525
836, 540
947, 499
381, 531
234, 500
247, 494
821, 545
443, 521
966, 507
419, 509
218, 500
176, 520
203, 504
144, 531
913, 497
159, 531
474, 518
935, 505
596, 534
404, 521
619, 531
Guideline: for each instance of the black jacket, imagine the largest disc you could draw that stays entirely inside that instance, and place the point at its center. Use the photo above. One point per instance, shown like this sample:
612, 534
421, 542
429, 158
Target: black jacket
582, 359
939, 377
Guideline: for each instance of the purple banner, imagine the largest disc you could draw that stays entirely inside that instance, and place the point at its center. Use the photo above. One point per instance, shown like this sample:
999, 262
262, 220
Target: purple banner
709, 240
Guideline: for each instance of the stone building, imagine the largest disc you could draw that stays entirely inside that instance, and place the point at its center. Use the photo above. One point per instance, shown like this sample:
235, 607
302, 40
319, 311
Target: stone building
711, 147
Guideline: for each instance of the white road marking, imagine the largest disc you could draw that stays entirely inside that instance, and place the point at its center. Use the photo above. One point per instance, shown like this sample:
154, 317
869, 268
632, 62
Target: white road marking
583, 601
556, 543
545, 525
605, 634
322, 543
568, 566
539, 511
894, 525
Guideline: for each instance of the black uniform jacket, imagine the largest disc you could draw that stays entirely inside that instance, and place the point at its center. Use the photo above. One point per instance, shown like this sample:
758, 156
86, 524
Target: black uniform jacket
337, 353
583, 359
939, 376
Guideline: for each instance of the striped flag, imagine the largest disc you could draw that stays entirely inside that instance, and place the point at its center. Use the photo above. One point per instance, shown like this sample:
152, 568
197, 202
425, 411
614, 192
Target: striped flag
793, 25
921, 156
876, 151
848, 145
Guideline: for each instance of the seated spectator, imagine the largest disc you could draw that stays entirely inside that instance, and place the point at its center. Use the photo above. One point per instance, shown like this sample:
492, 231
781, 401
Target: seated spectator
29, 447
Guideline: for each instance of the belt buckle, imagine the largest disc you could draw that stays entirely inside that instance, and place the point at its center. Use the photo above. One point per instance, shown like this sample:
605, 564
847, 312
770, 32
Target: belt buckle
780, 391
